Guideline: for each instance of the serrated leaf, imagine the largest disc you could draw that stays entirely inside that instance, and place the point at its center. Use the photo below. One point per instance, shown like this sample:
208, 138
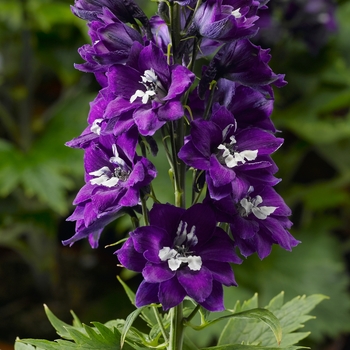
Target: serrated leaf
99, 337
76, 321
291, 315
299, 273
47, 345
22, 346
60, 326
249, 347
105, 331
266, 317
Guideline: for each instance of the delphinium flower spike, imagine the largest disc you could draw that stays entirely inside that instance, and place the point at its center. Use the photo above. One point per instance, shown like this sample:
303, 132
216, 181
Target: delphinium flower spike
213, 119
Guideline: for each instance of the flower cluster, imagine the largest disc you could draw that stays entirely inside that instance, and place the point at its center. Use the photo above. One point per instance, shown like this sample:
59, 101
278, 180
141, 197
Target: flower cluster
216, 125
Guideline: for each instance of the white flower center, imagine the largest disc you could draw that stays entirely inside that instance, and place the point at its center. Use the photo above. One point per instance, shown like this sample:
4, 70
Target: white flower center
108, 178
236, 13
181, 254
154, 88
232, 158
251, 205
96, 126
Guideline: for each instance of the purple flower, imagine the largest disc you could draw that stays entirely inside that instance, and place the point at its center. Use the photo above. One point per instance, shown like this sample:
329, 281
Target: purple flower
225, 20
182, 253
160, 31
115, 175
126, 11
111, 44
148, 87
257, 220
249, 106
233, 159
244, 63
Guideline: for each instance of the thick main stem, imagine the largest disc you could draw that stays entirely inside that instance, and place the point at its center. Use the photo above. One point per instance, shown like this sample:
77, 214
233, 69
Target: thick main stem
176, 328
176, 335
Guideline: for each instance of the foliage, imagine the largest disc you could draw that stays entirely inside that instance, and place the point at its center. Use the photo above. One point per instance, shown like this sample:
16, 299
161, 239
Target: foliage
246, 328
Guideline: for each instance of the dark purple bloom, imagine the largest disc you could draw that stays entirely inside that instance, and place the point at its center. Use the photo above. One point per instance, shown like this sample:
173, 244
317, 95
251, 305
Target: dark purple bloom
148, 87
115, 175
233, 159
125, 10
225, 20
249, 106
111, 44
160, 31
244, 63
181, 253
257, 220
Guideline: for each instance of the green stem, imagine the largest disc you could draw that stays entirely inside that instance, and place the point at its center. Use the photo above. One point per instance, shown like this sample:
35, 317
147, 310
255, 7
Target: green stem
175, 29
181, 164
144, 210
176, 166
160, 323
176, 328
210, 102
192, 314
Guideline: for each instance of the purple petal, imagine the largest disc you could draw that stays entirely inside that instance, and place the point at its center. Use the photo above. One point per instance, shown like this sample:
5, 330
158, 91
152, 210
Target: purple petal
166, 217
215, 301
149, 240
203, 218
190, 155
146, 294
147, 121
171, 110
220, 174
130, 258
197, 284
221, 272
171, 293
153, 273
219, 248
181, 80
256, 139
152, 57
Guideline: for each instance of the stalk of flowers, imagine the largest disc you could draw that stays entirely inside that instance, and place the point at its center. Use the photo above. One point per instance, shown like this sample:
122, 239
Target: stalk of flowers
216, 125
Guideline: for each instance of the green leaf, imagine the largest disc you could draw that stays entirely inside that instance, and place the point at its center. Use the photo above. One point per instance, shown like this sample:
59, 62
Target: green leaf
249, 347
128, 291
99, 337
298, 273
291, 316
128, 323
22, 346
188, 344
266, 317
60, 326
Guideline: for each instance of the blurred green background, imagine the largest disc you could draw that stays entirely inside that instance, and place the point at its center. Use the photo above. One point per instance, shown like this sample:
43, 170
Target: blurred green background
44, 102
